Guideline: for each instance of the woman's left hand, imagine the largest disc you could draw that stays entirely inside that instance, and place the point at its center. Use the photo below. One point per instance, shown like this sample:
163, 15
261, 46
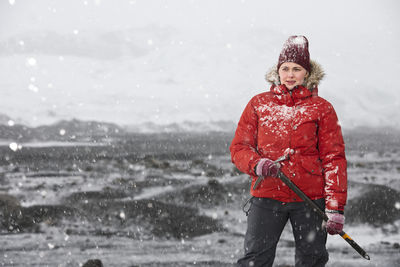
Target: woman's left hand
335, 223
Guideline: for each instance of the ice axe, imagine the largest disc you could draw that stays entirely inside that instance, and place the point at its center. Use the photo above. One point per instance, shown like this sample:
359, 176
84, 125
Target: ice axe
322, 214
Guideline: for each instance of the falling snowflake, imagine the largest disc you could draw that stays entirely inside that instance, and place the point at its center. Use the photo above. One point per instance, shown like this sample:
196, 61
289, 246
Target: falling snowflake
311, 236
31, 62
10, 123
62, 131
33, 88
14, 146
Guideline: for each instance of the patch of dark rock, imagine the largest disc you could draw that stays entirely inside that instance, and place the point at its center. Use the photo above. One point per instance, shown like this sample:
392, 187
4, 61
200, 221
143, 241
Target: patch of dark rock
198, 162
129, 185
8, 202
210, 170
51, 174
377, 205
185, 264
290, 243
155, 217
95, 195
93, 263
9, 205
287, 243
156, 180
151, 162
214, 172
208, 195
3, 180
26, 219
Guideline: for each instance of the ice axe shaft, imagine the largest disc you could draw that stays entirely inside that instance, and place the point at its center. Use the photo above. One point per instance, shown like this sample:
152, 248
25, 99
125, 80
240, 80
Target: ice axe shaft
322, 214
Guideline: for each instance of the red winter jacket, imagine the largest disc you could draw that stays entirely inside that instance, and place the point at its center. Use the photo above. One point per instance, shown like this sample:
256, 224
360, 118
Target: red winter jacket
302, 125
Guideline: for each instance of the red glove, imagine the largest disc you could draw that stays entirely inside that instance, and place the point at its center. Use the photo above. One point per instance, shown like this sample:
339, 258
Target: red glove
266, 167
335, 222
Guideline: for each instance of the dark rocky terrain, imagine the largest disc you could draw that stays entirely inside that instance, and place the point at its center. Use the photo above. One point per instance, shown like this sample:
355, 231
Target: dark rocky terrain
170, 200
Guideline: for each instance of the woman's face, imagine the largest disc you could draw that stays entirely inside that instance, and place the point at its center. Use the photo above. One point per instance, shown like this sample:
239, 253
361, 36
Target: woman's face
292, 74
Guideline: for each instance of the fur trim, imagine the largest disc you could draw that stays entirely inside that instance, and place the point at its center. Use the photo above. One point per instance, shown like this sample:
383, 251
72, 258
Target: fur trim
313, 79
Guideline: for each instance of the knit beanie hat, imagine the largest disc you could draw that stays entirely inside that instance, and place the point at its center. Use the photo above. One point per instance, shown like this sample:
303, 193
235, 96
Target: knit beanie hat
295, 50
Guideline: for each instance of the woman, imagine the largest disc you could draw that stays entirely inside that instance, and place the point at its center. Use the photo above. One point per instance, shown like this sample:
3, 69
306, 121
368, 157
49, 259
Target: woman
293, 124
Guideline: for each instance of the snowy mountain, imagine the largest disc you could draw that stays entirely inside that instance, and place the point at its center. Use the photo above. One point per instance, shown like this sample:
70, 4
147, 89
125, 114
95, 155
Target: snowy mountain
61, 131
4, 119
186, 126
359, 138
78, 130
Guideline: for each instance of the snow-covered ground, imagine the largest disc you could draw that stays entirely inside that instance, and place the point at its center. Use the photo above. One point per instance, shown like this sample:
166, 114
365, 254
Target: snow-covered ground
107, 211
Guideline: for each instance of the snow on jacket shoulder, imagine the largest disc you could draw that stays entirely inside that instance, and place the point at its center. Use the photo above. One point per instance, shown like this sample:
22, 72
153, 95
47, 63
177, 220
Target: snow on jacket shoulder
303, 126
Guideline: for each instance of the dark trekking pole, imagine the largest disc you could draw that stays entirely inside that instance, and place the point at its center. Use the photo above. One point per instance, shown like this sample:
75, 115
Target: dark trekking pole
322, 214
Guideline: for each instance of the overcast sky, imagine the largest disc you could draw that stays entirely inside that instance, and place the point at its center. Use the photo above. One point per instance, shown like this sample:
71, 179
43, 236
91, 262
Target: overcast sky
168, 60
309, 17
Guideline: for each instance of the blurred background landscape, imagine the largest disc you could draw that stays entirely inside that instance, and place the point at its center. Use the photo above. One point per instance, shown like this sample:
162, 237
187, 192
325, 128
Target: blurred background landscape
167, 197
116, 119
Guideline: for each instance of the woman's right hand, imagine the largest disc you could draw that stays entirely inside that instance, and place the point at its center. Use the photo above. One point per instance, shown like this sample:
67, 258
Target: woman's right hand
267, 167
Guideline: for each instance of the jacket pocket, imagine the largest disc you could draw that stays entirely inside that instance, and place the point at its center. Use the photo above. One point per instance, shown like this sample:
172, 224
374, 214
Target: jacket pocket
312, 166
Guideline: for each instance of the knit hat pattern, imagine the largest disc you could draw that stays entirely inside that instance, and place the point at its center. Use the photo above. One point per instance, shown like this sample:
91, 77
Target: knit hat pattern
295, 50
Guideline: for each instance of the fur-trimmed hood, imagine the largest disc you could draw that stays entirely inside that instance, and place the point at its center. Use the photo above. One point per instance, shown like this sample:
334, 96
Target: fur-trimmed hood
311, 82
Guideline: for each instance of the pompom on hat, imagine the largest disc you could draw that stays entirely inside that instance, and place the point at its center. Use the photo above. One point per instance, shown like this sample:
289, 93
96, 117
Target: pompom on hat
295, 50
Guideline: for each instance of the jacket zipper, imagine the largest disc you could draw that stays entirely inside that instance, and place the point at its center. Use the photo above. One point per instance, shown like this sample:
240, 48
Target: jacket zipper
291, 196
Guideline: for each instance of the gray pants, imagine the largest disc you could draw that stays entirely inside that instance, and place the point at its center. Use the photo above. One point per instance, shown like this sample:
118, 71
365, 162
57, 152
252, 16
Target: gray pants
265, 223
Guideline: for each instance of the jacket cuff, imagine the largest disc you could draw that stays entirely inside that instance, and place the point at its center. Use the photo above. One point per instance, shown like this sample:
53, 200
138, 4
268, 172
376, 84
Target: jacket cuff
333, 202
334, 211
253, 167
